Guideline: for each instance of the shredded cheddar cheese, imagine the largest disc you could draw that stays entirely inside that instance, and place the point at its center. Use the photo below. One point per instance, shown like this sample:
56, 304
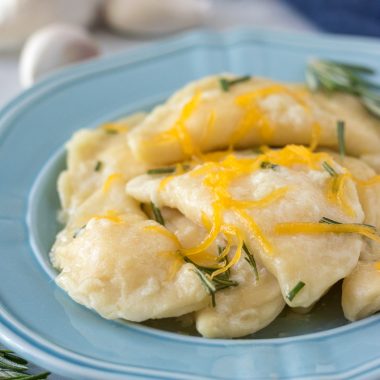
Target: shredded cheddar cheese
110, 181
110, 215
377, 265
318, 228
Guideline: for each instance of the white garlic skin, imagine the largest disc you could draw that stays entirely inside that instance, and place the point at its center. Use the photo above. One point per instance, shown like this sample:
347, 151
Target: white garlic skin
151, 17
20, 18
53, 47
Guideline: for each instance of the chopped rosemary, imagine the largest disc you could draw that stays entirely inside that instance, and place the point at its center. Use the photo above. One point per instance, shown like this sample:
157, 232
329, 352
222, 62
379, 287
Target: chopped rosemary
78, 231
210, 287
14, 367
157, 214
98, 166
341, 141
290, 296
268, 165
170, 169
331, 221
225, 84
328, 221
219, 282
111, 131
329, 169
251, 260
167, 170
337, 76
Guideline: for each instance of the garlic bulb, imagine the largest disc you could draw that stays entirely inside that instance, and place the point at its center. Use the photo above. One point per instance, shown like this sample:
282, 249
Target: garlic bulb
20, 18
155, 16
53, 47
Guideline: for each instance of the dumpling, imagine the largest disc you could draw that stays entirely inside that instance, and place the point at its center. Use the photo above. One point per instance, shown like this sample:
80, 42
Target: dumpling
244, 309
361, 291
202, 117
368, 187
241, 310
268, 204
93, 155
123, 265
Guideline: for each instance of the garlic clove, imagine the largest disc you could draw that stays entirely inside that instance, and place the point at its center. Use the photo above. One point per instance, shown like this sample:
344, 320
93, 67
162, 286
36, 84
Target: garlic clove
155, 16
53, 47
20, 18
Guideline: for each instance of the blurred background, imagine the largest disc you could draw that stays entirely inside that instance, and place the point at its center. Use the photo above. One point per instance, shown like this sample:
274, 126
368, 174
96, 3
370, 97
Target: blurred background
38, 37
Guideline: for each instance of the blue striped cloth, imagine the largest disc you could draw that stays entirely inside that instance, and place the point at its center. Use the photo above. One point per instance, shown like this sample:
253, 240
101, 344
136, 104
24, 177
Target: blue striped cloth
361, 17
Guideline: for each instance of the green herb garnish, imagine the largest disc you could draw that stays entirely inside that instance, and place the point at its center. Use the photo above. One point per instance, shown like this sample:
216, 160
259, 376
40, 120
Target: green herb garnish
268, 165
157, 214
331, 221
251, 260
170, 169
329, 169
13, 367
341, 141
342, 77
225, 84
111, 131
77, 232
98, 166
219, 282
295, 291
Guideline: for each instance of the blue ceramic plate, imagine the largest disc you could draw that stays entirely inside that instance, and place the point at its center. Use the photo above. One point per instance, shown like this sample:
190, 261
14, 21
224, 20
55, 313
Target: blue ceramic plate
40, 322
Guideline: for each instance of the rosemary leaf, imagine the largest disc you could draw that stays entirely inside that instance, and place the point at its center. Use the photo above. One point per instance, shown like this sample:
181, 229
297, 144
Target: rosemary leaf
341, 138
344, 77
290, 296
251, 260
331, 221
157, 214
78, 231
10, 364
170, 169
98, 166
268, 165
225, 84
329, 169
111, 131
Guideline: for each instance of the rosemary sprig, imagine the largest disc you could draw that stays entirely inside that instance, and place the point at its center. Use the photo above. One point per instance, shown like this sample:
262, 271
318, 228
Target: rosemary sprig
13, 367
290, 296
78, 231
98, 166
268, 165
220, 282
251, 260
332, 221
225, 84
157, 214
342, 77
340, 126
167, 170
329, 169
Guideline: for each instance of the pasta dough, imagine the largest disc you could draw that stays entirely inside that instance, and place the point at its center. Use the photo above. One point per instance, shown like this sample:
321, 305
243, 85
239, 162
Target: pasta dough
258, 111
294, 258
361, 291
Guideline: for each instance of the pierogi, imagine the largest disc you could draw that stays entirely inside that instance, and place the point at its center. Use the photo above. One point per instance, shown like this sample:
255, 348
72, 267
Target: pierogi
225, 204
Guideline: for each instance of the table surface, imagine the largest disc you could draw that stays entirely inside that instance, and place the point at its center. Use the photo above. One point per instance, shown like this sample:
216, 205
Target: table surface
225, 14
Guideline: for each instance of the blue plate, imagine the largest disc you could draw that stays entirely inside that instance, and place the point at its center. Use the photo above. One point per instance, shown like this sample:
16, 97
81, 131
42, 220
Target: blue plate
41, 323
